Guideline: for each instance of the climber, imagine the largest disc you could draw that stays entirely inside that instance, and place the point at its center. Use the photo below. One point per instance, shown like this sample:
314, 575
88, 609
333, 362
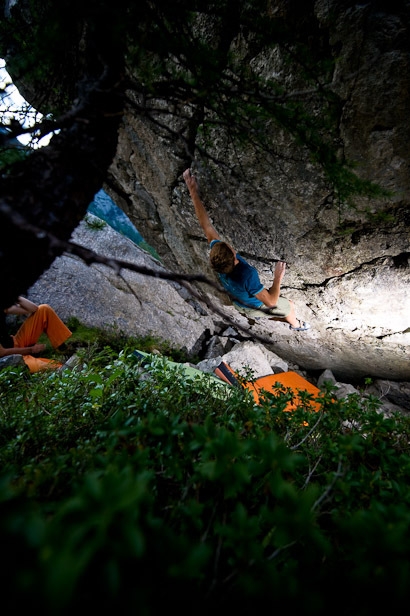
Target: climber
40, 319
241, 280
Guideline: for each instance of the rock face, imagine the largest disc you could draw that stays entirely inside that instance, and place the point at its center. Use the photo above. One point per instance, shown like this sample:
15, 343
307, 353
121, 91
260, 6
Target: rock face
127, 301
348, 269
140, 305
348, 266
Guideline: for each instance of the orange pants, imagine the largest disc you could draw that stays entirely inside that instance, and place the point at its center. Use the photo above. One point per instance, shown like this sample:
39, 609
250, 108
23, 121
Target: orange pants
46, 321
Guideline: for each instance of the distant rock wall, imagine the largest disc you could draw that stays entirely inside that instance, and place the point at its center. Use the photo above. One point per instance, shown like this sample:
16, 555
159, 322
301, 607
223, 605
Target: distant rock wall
348, 272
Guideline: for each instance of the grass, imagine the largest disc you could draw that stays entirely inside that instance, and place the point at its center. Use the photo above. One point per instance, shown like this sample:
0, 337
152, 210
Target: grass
88, 340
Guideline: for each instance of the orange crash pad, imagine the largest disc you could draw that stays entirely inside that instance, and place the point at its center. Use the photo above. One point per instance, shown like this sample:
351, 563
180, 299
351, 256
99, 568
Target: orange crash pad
270, 382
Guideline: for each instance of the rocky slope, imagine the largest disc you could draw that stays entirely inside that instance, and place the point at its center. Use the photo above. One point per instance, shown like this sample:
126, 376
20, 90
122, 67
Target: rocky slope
348, 268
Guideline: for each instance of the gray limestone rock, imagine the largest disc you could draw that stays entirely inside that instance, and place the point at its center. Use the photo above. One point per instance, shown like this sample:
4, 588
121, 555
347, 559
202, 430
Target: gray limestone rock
347, 267
124, 301
254, 358
326, 376
11, 360
397, 394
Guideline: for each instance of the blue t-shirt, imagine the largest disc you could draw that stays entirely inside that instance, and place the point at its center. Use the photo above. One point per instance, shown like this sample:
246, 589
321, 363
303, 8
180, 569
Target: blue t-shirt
242, 284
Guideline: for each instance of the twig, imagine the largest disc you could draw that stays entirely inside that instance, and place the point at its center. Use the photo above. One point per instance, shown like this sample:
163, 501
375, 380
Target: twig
329, 487
309, 433
308, 478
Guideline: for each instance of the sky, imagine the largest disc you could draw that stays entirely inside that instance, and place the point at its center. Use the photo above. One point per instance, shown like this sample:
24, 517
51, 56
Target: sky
13, 104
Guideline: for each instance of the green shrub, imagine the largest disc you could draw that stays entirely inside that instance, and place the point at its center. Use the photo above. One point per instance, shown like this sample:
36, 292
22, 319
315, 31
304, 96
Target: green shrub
124, 487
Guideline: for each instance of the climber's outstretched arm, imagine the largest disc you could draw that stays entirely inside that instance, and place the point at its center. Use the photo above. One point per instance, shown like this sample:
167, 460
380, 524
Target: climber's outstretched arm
203, 218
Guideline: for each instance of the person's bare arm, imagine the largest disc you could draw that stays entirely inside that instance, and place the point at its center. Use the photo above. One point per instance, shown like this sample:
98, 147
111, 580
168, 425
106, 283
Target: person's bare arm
22, 306
31, 350
270, 296
201, 214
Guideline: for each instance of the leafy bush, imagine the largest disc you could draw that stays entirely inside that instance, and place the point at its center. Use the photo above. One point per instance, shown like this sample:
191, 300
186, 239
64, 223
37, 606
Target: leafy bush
131, 489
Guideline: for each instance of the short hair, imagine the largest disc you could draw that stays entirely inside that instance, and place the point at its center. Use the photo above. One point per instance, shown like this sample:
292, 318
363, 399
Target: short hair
222, 258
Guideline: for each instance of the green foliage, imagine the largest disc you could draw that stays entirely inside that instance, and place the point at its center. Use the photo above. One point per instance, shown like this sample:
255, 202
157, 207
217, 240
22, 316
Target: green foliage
92, 340
10, 155
204, 63
123, 484
94, 223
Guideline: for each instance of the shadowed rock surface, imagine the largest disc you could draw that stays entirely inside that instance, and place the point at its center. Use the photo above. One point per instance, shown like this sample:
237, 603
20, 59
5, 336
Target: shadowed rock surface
348, 264
348, 268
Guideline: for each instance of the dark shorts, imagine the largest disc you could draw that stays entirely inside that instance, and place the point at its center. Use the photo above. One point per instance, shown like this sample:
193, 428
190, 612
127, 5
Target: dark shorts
281, 310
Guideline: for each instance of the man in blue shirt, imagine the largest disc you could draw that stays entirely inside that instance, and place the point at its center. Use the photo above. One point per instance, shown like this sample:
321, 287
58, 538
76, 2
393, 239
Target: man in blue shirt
239, 278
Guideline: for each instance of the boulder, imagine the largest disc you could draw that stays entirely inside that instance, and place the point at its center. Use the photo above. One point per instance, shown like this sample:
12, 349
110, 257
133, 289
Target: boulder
122, 301
348, 266
11, 360
397, 394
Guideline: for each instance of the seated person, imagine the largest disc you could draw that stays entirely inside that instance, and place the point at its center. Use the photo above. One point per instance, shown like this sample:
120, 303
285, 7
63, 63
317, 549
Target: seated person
40, 319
